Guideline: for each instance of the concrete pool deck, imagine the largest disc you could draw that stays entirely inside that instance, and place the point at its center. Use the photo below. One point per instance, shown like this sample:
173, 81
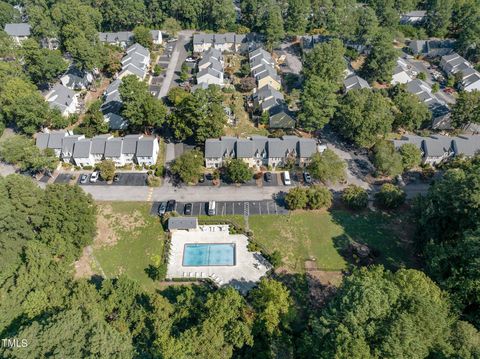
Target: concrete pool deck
249, 267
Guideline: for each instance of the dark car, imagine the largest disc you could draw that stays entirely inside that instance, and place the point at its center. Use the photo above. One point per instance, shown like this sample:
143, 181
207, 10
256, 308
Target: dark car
268, 176
116, 178
209, 177
188, 209
162, 209
171, 205
307, 178
83, 179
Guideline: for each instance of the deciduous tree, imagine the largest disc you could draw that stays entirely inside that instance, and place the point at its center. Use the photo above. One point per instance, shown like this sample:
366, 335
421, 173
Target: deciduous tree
327, 167
189, 166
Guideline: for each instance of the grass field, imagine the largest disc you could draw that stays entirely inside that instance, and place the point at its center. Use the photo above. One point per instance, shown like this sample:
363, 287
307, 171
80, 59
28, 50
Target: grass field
323, 236
129, 240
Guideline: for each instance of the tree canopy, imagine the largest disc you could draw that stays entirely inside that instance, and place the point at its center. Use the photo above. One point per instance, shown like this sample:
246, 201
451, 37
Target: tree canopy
327, 167
188, 166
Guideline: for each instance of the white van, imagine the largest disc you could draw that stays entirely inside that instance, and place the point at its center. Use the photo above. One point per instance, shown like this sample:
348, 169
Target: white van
211, 208
286, 178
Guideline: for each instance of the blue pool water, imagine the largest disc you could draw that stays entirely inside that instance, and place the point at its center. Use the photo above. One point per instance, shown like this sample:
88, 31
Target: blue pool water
220, 254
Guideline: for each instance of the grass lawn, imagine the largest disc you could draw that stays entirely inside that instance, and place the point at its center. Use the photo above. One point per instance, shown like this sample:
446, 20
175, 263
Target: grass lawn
128, 240
322, 235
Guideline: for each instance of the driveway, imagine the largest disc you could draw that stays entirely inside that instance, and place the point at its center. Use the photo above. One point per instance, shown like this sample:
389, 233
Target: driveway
177, 58
292, 60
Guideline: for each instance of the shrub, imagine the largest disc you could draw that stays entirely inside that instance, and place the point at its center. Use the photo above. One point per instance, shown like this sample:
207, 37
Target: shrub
319, 197
153, 181
411, 155
275, 259
237, 171
296, 198
355, 197
390, 196
88, 168
107, 169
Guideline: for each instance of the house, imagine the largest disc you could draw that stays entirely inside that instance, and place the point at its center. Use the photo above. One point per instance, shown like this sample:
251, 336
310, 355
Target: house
98, 146
354, 83
135, 62
413, 17
266, 98
266, 75
439, 109
129, 148
437, 149
68, 144
51, 43
229, 42
113, 151
404, 72
182, 223
76, 79
115, 121
82, 155
259, 151
432, 47
210, 69
307, 43
147, 151
455, 64
63, 99
211, 57
51, 140
126, 38
280, 117
18, 32
260, 57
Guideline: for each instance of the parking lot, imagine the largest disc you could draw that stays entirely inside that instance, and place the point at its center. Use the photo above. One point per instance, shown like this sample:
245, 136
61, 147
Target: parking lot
228, 208
124, 179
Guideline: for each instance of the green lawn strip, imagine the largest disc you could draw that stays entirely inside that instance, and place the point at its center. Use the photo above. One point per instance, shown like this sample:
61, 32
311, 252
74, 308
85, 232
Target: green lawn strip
323, 236
135, 249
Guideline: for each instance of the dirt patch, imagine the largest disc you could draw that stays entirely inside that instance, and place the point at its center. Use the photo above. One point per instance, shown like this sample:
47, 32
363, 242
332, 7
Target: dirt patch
358, 63
110, 223
83, 267
322, 285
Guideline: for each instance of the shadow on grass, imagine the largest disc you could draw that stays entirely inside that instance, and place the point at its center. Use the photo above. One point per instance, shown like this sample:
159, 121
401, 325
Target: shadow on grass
374, 238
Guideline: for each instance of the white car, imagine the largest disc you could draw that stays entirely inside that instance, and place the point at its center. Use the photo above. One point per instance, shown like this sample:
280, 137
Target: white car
94, 177
190, 59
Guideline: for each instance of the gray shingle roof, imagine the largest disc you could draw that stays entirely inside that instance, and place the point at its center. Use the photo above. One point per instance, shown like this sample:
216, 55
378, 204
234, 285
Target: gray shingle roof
130, 144
145, 147
182, 223
42, 140
467, 145
19, 29
67, 143
213, 148
55, 139
280, 117
113, 37
98, 144
82, 148
60, 97
355, 82
244, 148
113, 147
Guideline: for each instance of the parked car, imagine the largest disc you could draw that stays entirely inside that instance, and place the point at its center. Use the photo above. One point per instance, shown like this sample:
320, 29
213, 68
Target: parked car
190, 59
286, 178
268, 176
83, 179
307, 178
188, 209
94, 176
171, 205
162, 208
211, 208
173, 39
209, 177
116, 178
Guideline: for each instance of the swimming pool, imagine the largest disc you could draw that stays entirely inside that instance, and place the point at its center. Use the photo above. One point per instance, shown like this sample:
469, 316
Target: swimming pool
215, 254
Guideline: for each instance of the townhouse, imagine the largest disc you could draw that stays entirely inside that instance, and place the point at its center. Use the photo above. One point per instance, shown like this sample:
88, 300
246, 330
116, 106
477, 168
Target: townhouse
413, 17
436, 149
455, 64
210, 69
439, 109
126, 38
262, 67
76, 79
19, 32
229, 42
404, 72
259, 151
432, 47
63, 99
135, 62
354, 82
81, 151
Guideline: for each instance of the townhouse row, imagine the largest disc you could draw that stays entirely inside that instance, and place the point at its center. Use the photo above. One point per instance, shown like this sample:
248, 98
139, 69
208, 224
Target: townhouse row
267, 96
259, 151
455, 64
436, 149
81, 151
